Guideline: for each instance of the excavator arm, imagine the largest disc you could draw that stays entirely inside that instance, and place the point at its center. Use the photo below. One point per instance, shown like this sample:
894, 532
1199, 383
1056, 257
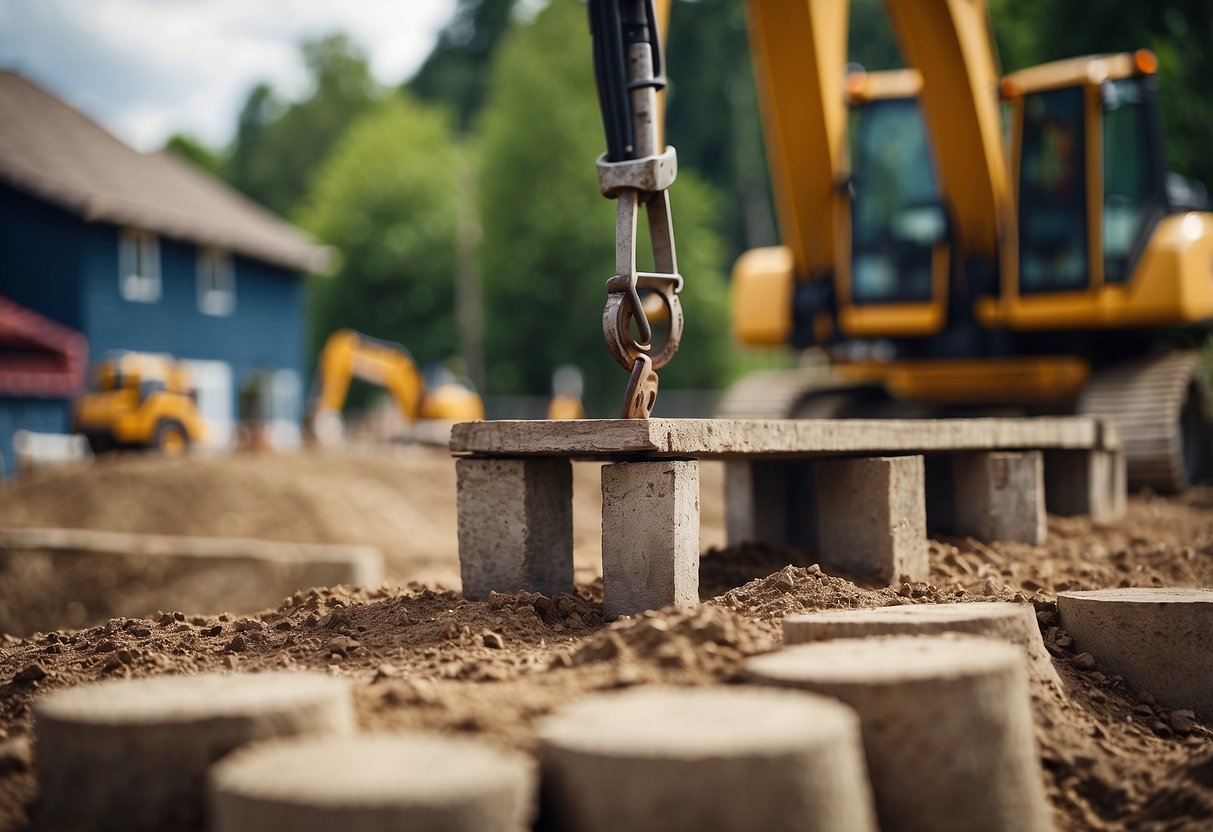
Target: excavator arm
348, 355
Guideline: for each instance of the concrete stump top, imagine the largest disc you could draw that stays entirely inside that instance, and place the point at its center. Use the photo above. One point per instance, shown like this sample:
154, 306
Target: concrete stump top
165, 700
694, 723
362, 772
998, 620
1141, 595
912, 614
889, 660
724, 438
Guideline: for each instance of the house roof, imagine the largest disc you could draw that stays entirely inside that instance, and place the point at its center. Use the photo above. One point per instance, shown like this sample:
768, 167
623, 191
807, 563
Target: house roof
56, 153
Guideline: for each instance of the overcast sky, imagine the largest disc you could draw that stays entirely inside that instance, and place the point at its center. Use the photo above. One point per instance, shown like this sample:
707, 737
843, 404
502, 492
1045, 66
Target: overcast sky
149, 68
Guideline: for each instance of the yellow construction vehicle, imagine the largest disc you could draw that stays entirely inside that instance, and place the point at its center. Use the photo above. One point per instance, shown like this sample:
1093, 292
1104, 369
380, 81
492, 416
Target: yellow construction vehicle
1042, 267
142, 400
348, 355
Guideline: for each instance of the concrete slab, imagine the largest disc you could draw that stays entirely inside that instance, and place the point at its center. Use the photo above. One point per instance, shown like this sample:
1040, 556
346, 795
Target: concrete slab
686, 760
946, 722
57, 578
515, 525
999, 495
1159, 640
998, 620
723, 438
1091, 483
650, 536
132, 754
423, 782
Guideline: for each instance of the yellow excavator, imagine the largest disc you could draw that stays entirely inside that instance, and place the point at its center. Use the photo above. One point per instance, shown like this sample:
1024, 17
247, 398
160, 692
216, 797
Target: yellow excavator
1034, 262
142, 400
348, 355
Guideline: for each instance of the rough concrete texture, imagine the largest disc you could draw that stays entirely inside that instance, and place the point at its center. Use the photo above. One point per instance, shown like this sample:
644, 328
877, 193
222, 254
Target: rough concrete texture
1000, 496
1086, 482
704, 438
946, 723
1159, 640
515, 526
998, 620
870, 516
156, 571
650, 536
730, 759
422, 782
133, 754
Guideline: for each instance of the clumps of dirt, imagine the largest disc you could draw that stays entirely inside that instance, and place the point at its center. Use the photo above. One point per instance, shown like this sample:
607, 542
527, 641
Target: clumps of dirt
706, 641
1160, 542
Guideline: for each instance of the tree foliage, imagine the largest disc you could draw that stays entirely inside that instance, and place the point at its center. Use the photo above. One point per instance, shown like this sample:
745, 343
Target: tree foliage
195, 152
385, 200
547, 246
279, 146
456, 73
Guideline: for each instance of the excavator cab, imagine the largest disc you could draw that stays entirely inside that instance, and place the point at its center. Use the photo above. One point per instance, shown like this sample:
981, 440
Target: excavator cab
899, 231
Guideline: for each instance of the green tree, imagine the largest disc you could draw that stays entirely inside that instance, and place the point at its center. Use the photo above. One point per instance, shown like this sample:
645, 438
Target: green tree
547, 244
456, 71
386, 200
192, 150
279, 147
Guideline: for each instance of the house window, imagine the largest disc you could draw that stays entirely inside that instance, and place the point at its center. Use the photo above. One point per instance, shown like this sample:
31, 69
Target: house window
139, 266
216, 282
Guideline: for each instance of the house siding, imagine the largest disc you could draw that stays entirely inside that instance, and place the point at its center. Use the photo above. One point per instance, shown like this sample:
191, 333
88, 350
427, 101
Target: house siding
41, 250
68, 270
38, 415
264, 331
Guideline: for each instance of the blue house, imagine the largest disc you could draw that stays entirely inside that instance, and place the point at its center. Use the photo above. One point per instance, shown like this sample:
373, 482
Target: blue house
143, 252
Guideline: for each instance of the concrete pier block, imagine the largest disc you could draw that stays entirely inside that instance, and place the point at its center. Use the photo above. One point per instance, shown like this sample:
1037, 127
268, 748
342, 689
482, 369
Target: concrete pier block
870, 516
1091, 482
946, 723
650, 535
755, 501
515, 526
1159, 640
422, 782
132, 754
729, 759
998, 620
1000, 496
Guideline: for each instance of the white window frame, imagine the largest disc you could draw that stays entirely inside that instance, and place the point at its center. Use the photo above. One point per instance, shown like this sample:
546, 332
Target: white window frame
138, 266
216, 282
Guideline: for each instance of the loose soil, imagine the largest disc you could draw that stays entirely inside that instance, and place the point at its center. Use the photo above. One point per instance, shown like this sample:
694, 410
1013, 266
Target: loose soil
421, 656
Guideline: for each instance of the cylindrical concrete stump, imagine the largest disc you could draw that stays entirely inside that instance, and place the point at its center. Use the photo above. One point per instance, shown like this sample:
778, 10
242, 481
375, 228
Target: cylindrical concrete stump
672, 759
999, 620
1159, 640
419, 782
946, 721
133, 753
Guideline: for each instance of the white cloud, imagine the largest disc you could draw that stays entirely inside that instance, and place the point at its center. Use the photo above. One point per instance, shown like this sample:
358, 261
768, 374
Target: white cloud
149, 68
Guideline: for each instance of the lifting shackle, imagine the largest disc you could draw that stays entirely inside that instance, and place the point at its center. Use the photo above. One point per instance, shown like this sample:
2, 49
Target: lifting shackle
627, 71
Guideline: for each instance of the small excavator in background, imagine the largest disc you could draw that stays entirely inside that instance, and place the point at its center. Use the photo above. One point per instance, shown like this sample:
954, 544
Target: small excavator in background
141, 401
348, 355
1037, 263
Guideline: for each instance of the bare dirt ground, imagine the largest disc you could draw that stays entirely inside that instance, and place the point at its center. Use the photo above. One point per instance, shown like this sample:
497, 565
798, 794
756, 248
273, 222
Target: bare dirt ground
420, 655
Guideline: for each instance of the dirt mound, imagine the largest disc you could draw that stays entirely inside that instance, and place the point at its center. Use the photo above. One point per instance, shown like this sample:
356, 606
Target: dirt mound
426, 658
398, 498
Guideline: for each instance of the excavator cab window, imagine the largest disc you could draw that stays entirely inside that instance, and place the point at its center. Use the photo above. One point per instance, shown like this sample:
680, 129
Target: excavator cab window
1129, 190
1053, 193
897, 214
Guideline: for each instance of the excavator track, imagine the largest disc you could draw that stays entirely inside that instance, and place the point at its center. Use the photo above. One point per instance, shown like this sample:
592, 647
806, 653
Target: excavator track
802, 393
1156, 404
